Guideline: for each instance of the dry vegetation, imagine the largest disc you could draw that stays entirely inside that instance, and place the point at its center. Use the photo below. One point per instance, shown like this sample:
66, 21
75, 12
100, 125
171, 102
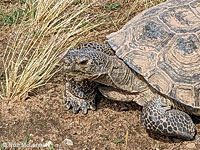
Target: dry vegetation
29, 58
49, 27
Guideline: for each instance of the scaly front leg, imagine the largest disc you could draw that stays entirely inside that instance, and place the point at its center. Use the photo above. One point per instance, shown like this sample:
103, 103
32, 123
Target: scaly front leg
80, 95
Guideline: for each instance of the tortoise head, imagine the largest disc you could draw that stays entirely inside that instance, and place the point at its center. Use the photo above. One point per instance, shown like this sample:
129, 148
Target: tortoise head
85, 63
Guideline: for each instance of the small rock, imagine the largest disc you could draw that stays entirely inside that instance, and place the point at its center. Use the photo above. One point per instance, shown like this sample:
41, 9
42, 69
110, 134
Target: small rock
190, 145
48, 144
68, 142
71, 123
41, 139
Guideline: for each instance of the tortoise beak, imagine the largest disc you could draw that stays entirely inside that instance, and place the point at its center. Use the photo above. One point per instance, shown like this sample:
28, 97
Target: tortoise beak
68, 64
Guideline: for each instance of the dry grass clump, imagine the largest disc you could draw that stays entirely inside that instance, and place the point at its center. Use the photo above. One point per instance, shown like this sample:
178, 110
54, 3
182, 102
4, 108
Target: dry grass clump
33, 53
53, 26
60, 15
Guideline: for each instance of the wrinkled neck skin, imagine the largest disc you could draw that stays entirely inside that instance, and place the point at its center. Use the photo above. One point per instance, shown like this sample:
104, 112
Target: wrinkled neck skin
122, 77
119, 75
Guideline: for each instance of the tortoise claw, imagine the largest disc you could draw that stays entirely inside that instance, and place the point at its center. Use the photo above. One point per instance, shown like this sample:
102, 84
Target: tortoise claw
75, 107
64, 100
84, 107
79, 104
68, 105
92, 106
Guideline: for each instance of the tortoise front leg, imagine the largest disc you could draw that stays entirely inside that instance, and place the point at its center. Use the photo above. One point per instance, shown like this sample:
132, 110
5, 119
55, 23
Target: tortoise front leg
158, 116
80, 95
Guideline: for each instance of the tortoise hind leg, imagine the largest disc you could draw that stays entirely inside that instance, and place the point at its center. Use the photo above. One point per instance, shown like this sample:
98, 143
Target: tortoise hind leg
158, 117
80, 95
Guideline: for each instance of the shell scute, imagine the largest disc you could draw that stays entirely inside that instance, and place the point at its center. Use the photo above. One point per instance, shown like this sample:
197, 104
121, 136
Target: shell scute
162, 44
181, 19
195, 5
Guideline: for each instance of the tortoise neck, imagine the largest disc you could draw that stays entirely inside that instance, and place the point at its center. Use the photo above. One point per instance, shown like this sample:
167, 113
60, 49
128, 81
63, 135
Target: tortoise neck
125, 78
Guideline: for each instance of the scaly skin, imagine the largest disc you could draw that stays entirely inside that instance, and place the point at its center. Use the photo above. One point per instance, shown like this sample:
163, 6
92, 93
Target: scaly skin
80, 95
158, 115
161, 118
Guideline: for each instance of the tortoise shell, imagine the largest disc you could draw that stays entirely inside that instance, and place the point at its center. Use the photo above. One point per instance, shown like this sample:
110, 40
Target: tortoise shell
162, 44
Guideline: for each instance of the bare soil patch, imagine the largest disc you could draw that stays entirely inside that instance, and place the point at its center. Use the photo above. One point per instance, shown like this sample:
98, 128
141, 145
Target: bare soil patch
42, 118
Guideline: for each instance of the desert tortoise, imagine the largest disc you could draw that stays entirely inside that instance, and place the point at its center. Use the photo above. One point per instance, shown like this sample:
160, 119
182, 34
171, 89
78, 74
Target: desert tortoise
156, 55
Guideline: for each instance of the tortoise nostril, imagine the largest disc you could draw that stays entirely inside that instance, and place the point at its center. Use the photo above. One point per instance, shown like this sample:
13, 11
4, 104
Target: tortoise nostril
67, 64
67, 60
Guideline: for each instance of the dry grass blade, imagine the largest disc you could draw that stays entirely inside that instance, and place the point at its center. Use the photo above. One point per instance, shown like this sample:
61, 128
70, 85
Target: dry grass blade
31, 59
53, 15
126, 140
140, 5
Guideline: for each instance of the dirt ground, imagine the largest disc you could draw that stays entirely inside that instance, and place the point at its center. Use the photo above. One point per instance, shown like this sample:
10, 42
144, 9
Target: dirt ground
42, 120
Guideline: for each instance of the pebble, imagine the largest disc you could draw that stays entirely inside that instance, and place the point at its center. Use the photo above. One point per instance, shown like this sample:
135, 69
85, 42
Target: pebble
48, 144
190, 145
68, 142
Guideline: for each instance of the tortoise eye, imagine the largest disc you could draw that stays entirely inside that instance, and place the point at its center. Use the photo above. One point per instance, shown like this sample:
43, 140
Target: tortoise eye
83, 61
